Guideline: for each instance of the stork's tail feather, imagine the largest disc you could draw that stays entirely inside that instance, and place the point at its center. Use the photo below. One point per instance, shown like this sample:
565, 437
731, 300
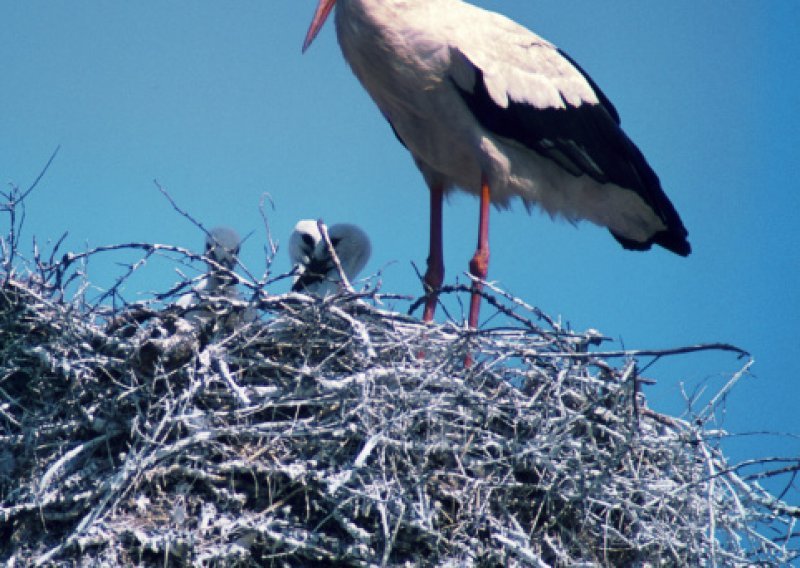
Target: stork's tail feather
674, 241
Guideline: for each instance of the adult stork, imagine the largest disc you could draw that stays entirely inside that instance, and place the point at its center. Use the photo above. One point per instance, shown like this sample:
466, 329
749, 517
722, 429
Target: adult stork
316, 269
487, 106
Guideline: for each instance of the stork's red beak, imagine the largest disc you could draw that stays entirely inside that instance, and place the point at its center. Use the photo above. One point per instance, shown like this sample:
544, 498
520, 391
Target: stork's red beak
323, 11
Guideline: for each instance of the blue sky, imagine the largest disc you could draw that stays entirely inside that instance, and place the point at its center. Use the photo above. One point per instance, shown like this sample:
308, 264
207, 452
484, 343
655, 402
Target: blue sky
216, 102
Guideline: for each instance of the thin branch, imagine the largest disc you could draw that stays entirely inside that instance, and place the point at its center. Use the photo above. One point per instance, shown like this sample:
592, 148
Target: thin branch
46, 167
323, 230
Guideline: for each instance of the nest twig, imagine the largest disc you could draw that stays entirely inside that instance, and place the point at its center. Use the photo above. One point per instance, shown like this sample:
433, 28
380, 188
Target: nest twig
316, 434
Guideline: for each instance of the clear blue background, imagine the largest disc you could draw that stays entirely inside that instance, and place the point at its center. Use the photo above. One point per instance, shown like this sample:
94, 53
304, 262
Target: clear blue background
215, 101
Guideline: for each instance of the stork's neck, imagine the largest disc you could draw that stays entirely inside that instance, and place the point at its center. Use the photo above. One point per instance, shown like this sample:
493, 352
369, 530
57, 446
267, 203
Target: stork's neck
382, 17
366, 17
394, 45
374, 7
218, 282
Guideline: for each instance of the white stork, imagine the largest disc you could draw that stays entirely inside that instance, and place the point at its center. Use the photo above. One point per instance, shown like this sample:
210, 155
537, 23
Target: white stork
221, 247
316, 270
489, 107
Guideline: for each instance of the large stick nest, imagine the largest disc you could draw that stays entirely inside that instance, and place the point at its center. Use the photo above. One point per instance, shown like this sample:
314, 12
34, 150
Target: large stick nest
331, 432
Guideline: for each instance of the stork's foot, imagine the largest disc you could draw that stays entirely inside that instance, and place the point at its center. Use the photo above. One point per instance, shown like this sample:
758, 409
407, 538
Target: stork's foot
430, 305
433, 283
479, 268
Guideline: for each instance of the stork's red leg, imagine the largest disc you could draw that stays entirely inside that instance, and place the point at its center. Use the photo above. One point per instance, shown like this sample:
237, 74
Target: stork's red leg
434, 276
479, 265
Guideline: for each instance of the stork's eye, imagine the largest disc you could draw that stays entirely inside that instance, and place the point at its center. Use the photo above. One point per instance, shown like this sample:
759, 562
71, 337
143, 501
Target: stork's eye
308, 240
335, 242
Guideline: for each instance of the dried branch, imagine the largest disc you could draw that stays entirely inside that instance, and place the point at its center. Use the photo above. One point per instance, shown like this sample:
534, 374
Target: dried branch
15, 206
323, 230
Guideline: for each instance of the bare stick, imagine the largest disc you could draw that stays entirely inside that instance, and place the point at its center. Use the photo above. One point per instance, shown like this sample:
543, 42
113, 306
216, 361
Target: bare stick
323, 230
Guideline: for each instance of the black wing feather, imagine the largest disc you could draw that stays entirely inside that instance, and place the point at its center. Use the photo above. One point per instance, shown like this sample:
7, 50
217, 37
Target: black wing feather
584, 140
316, 271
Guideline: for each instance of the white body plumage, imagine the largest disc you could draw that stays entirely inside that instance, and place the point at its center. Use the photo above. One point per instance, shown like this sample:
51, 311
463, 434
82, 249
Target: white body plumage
475, 97
316, 272
222, 246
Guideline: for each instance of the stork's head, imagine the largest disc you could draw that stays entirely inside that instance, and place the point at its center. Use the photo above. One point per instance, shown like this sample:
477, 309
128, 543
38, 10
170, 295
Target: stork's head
222, 246
303, 242
323, 11
315, 270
